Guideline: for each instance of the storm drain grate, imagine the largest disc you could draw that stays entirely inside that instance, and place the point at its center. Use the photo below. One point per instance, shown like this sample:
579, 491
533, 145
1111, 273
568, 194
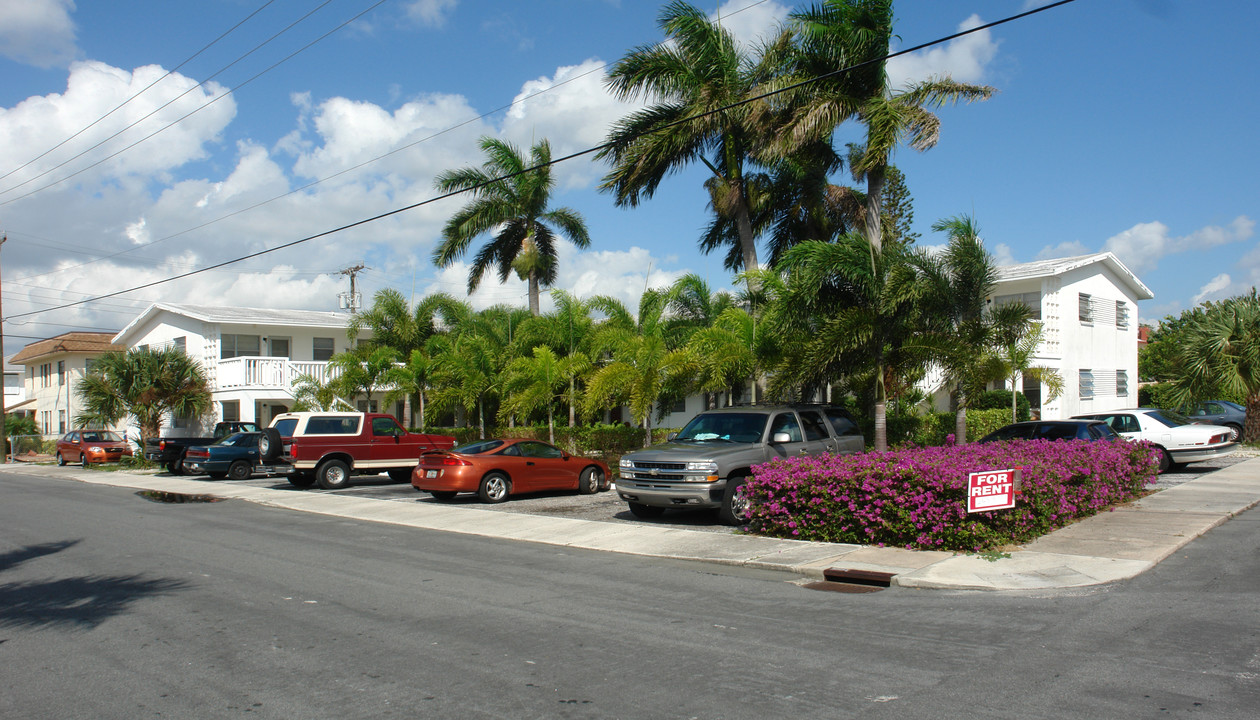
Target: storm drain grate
161, 496
852, 581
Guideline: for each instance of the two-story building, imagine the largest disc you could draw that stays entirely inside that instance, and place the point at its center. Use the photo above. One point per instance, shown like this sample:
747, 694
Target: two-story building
54, 368
252, 357
16, 401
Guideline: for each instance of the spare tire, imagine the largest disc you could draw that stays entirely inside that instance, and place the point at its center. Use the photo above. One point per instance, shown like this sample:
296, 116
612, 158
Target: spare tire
270, 445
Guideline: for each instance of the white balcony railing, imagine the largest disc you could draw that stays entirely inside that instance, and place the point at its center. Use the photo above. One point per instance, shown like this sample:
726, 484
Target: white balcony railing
268, 373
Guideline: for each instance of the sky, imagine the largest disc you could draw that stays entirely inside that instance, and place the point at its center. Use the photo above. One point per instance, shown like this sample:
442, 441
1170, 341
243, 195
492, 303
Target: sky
142, 140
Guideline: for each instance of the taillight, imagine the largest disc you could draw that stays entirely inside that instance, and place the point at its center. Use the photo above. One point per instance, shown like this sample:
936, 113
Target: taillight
1220, 438
452, 460
161, 445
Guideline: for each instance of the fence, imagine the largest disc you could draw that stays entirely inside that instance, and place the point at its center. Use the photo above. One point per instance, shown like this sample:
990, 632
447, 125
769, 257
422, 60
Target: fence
26, 445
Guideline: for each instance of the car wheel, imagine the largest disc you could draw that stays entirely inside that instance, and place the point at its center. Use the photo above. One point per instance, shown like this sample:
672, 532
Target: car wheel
217, 475
333, 475
240, 470
442, 494
1235, 432
176, 466
61, 461
83, 459
1165, 460
495, 488
302, 480
400, 475
645, 512
589, 482
735, 502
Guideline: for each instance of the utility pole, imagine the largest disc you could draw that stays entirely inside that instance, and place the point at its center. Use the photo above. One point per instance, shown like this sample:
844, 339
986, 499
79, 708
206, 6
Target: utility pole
351, 301
4, 430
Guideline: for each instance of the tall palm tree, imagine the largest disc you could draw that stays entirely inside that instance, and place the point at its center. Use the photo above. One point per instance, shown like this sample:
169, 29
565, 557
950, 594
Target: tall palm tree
836, 34
961, 332
695, 79
537, 382
145, 383
1017, 353
510, 200
1222, 350
411, 379
363, 370
847, 310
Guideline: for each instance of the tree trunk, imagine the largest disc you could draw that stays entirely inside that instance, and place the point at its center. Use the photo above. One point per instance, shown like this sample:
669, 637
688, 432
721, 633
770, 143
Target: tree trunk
881, 408
551, 427
874, 207
1251, 425
422, 426
572, 410
1014, 406
647, 429
960, 419
481, 417
533, 293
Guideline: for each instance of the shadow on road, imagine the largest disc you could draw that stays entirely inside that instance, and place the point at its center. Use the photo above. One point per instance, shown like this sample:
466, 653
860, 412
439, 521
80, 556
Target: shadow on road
83, 602
14, 558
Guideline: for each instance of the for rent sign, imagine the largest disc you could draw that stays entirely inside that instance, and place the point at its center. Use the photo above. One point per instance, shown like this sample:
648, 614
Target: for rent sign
992, 490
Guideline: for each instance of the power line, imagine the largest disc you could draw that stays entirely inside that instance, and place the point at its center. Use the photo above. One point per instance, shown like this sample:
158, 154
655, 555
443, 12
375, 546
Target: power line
146, 88
556, 161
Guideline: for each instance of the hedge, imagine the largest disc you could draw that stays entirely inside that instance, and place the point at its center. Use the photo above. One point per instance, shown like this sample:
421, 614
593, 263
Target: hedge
916, 498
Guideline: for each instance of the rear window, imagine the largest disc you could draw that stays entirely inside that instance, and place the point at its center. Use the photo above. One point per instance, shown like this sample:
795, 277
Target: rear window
841, 423
285, 427
336, 425
475, 448
1169, 418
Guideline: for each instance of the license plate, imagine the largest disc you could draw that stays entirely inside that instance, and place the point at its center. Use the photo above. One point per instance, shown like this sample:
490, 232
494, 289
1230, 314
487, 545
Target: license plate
430, 473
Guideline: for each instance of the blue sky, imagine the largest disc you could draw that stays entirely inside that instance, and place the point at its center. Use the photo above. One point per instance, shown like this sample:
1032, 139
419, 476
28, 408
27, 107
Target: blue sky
1122, 125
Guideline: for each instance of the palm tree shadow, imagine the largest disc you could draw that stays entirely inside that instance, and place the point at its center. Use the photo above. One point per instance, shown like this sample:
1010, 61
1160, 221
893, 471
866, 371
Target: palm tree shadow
13, 558
83, 602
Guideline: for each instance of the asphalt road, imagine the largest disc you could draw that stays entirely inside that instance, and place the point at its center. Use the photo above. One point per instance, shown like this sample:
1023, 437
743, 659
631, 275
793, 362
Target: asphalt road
112, 606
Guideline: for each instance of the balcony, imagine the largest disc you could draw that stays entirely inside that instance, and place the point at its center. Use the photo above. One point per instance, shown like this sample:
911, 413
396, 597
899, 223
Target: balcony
267, 373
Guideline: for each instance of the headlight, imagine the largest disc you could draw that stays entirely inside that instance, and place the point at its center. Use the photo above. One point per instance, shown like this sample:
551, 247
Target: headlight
95, 449
705, 466
625, 463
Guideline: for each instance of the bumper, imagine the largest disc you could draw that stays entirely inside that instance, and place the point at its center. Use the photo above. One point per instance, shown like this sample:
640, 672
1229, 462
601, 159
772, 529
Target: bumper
1201, 454
446, 479
672, 494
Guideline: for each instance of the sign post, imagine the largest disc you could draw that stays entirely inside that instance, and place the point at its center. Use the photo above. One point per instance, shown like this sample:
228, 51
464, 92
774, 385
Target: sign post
992, 489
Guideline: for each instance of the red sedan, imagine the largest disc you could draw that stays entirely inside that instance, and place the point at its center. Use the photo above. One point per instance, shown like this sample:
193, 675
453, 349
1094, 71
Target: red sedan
91, 446
495, 469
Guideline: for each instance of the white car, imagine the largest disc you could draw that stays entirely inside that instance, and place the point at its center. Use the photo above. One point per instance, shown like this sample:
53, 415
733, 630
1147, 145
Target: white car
1179, 440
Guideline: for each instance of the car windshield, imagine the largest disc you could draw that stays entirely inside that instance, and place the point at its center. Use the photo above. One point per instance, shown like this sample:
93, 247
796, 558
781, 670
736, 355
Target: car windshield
101, 436
1169, 418
478, 447
724, 427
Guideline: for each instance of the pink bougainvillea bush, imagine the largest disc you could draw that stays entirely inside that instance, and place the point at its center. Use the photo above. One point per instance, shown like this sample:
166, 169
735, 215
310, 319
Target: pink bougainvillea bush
916, 498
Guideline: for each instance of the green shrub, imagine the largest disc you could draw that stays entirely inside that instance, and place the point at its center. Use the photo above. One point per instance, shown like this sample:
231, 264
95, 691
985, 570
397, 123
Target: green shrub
1001, 400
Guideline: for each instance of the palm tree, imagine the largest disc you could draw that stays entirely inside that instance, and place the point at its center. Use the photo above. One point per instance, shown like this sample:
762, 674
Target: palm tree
467, 366
411, 379
568, 331
1222, 350
962, 333
510, 200
696, 78
640, 366
537, 383
847, 309
837, 34
145, 383
362, 371
1017, 353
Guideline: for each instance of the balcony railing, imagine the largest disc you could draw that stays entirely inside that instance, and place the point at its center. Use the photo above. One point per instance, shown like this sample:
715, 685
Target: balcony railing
268, 373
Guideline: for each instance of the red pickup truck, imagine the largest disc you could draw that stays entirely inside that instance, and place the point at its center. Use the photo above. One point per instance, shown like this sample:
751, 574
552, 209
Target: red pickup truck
330, 447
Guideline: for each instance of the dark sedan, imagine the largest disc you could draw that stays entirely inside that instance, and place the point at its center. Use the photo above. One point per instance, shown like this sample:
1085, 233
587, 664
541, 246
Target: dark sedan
1053, 430
231, 457
1218, 412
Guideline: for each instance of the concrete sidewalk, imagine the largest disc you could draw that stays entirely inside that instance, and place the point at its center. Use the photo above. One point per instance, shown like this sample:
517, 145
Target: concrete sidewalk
1107, 547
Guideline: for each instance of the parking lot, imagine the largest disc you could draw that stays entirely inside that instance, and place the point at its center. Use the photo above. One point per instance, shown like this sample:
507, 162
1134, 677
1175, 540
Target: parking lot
607, 507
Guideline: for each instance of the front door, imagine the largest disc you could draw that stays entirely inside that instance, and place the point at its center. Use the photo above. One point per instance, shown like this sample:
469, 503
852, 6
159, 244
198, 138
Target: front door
278, 347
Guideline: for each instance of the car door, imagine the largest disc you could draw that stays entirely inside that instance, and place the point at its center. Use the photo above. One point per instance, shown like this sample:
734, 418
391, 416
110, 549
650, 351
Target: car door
848, 436
787, 423
385, 441
818, 438
547, 467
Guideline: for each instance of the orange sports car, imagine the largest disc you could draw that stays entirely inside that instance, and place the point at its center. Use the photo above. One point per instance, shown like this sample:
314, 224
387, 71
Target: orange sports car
495, 469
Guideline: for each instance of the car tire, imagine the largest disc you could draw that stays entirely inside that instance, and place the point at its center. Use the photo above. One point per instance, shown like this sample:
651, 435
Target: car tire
176, 466
1165, 460
646, 512
270, 445
734, 502
216, 475
1235, 432
240, 470
333, 475
400, 475
589, 482
301, 480
61, 461
83, 459
495, 488
442, 494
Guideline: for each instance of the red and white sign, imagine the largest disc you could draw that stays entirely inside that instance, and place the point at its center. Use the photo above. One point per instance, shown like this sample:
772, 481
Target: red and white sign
992, 490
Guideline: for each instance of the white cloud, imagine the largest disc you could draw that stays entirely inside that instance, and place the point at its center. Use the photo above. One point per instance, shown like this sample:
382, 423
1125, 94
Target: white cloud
432, 13
965, 59
1215, 289
38, 32
1142, 246
1063, 249
1003, 255
751, 22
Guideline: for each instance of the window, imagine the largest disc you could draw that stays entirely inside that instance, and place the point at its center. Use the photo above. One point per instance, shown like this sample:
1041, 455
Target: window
278, 347
335, 425
1122, 383
1122, 315
232, 346
231, 410
842, 423
322, 349
45, 375
1032, 300
383, 426
89, 365
366, 406
1086, 310
680, 406
61, 421
180, 343
786, 423
814, 427
61, 372
1086, 384
1032, 391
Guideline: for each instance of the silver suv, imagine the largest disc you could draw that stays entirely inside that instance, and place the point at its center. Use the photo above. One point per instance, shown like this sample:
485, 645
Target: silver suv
706, 465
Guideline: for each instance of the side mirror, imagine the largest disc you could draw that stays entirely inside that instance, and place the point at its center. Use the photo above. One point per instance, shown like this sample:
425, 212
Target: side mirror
670, 437
780, 438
